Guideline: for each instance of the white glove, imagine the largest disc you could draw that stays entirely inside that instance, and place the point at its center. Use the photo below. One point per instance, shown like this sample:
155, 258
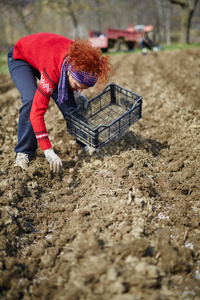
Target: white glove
54, 160
82, 102
155, 49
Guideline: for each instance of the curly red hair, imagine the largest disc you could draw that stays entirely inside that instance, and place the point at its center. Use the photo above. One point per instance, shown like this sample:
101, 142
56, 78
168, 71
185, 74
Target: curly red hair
84, 57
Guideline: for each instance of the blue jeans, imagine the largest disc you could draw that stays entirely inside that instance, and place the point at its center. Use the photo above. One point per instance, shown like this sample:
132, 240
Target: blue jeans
146, 43
25, 78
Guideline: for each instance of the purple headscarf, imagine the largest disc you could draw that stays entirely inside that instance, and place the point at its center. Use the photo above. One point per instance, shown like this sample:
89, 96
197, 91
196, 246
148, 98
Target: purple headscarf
83, 77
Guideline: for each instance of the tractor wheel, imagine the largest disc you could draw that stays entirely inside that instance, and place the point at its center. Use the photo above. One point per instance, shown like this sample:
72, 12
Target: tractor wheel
120, 46
123, 46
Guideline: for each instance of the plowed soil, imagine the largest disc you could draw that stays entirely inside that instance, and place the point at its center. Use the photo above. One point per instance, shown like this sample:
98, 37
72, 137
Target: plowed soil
122, 223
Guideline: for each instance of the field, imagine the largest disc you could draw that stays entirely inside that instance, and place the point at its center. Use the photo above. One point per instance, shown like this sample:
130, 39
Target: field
119, 224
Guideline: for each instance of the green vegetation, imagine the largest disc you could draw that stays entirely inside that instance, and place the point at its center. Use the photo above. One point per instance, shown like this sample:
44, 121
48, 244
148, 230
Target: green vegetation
178, 46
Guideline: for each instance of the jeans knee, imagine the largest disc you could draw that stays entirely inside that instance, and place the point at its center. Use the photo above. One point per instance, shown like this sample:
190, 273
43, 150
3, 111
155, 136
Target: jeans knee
26, 106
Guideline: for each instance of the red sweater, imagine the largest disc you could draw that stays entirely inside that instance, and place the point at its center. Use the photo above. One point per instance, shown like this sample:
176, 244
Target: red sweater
44, 52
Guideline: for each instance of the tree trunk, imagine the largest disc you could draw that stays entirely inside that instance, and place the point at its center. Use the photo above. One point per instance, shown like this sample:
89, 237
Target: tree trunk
191, 13
74, 19
188, 9
168, 24
184, 26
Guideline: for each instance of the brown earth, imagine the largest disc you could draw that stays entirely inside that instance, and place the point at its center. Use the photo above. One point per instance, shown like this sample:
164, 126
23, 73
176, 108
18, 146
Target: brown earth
120, 224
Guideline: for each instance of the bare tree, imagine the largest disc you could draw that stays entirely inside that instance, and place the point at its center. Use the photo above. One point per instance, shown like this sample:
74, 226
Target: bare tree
27, 11
99, 14
74, 18
69, 8
188, 9
164, 15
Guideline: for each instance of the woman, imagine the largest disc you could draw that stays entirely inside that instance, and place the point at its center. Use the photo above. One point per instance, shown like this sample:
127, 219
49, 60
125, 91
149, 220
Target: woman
64, 68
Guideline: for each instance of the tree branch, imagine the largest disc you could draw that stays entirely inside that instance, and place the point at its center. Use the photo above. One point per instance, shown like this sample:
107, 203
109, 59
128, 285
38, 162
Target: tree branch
179, 2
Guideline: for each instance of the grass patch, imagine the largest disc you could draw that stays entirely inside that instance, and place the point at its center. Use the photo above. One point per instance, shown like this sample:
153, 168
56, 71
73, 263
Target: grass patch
178, 46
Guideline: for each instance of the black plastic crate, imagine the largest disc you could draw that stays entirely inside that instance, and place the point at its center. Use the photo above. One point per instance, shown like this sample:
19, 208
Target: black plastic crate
108, 114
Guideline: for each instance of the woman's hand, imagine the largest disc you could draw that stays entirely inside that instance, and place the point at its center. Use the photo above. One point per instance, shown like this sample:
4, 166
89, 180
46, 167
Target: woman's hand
54, 160
82, 102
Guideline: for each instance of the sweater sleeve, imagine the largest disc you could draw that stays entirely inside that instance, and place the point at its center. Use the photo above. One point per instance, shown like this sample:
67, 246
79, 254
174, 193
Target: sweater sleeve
39, 107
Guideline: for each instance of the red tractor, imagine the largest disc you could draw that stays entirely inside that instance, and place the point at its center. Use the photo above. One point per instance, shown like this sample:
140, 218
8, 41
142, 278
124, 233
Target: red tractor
118, 39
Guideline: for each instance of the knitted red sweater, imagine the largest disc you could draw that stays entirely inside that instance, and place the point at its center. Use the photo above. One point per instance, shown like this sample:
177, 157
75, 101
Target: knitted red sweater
44, 52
